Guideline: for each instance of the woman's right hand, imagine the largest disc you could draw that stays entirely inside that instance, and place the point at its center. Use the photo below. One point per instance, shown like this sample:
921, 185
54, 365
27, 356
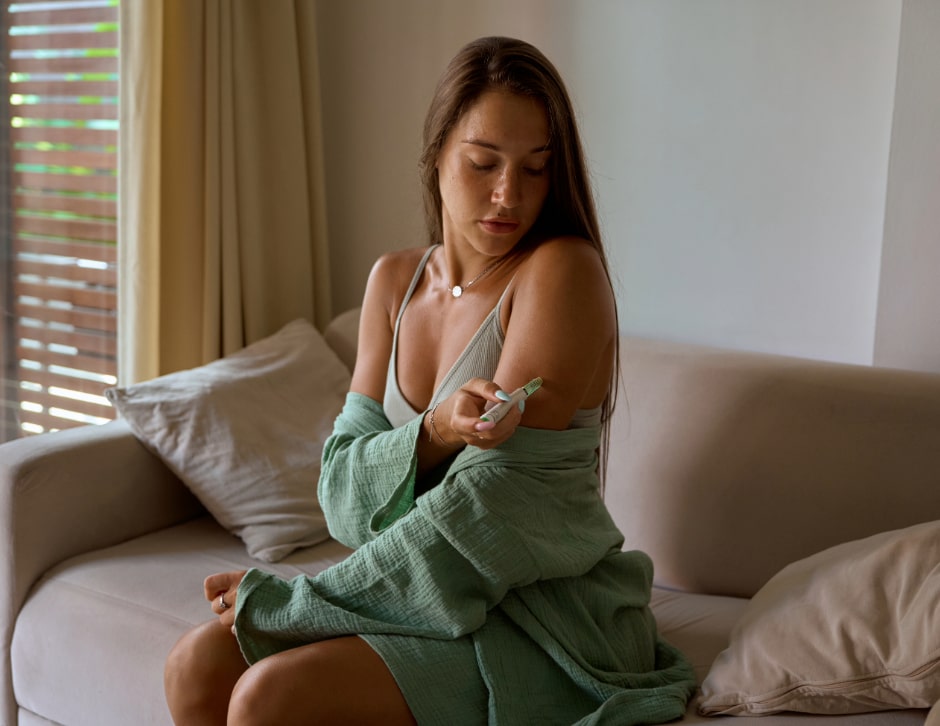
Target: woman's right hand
456, 420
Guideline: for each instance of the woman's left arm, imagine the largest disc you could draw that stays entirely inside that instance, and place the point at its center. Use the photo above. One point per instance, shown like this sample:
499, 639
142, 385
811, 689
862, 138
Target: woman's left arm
562, 326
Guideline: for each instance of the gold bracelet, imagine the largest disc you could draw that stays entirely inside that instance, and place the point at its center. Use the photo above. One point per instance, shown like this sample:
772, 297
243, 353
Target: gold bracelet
434, 429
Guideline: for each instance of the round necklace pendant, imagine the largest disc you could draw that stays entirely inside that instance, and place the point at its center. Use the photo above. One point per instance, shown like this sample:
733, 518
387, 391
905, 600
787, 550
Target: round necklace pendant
456, 291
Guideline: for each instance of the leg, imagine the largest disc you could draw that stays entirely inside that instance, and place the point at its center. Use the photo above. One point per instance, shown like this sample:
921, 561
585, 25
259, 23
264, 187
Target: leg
201, 671
339, 681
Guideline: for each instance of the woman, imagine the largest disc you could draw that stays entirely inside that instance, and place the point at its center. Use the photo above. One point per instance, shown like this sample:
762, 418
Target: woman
487, 582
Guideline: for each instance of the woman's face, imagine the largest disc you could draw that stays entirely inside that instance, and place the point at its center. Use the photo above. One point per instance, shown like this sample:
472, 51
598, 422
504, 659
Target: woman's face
493, 172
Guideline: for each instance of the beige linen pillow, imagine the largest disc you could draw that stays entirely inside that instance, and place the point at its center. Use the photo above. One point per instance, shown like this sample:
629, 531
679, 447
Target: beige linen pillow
851, 629
245, 434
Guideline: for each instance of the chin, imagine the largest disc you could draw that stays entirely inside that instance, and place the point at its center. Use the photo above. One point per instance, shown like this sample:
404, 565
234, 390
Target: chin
500, 247
503, 243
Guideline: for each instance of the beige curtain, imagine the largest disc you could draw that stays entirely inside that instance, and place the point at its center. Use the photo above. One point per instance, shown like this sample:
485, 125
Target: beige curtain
222, 234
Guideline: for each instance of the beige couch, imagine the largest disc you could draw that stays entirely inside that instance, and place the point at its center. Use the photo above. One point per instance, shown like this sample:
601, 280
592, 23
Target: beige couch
725, 467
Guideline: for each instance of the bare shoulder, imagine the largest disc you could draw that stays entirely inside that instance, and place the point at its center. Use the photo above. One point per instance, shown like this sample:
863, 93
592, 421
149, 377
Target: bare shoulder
392, 272
385, 290
409, 257
569, 252
567, 275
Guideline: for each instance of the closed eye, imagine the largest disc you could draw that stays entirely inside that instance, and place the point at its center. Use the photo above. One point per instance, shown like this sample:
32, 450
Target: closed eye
481, 167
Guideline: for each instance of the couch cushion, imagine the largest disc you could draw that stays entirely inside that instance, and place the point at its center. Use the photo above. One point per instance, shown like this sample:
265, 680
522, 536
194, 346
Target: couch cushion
28, 718
245, 434
698, 625
118, 612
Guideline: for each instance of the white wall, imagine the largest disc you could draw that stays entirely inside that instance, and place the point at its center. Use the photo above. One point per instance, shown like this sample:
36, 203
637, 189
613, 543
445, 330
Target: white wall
908, 330
740, 151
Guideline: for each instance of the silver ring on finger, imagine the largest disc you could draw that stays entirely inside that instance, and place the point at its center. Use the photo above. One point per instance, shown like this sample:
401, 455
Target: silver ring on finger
223, 606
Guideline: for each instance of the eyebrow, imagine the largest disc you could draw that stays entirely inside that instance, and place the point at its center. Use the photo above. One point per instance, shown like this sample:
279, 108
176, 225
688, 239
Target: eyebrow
494, 147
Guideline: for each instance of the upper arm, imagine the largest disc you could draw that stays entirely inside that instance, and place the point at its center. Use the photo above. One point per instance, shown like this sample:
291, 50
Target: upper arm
562, 327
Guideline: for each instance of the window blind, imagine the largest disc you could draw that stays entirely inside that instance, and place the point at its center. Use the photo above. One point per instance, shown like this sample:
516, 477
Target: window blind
60, 197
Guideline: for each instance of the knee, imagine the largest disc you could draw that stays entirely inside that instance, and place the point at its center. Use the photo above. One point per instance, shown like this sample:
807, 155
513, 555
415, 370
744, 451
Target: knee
200, 672
269, 692
255, 698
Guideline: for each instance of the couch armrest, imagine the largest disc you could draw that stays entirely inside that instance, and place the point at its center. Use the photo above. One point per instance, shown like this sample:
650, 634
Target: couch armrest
74, 491
66, 493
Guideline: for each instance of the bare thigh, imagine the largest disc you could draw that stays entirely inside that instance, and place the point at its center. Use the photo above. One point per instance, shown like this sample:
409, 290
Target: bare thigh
338, 681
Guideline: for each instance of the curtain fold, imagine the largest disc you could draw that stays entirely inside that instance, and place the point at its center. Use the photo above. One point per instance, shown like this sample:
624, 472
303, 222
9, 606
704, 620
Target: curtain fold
222, 232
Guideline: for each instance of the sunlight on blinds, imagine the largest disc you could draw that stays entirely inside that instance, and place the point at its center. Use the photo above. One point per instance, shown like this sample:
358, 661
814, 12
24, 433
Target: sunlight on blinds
62, 64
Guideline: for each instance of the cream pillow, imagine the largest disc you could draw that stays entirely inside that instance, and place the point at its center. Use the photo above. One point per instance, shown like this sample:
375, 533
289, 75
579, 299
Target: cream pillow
245, 434
851, 629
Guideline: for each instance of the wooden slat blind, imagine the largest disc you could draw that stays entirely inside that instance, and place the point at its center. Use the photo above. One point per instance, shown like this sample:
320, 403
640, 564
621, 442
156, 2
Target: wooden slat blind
59, 276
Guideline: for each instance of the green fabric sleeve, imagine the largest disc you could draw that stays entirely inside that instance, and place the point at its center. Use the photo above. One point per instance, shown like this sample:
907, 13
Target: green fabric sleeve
407, 582
367, 472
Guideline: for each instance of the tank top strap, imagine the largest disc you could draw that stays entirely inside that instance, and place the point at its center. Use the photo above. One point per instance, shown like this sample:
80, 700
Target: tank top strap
397, 409
404, 303
414, 284
499, 303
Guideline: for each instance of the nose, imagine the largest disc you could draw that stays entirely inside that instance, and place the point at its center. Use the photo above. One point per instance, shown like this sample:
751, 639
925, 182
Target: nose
508, 190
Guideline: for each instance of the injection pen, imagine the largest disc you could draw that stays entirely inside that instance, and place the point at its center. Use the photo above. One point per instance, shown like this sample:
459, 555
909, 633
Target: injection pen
520, 394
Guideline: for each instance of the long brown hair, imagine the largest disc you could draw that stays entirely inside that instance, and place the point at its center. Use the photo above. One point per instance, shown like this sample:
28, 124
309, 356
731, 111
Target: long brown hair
507, 64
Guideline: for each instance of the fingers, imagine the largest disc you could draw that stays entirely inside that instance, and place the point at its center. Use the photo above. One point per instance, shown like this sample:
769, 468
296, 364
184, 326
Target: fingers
470, 402
223, 605
227, 619
490, 435
215, 584
221, 591
221, 582
455, 421
485, 389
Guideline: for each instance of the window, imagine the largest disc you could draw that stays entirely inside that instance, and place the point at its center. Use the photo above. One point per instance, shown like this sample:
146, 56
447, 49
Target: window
58, 209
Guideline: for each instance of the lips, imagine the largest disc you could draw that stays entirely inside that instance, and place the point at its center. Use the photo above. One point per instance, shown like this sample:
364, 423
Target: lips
499, 225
